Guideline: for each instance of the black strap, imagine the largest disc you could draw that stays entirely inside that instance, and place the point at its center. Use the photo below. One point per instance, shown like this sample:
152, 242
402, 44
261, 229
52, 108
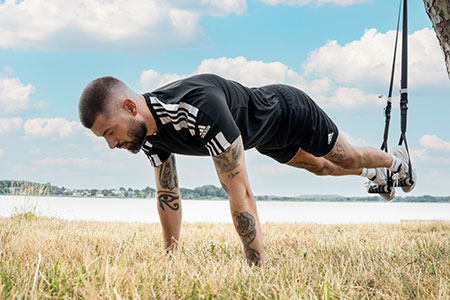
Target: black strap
404, 86
387, 110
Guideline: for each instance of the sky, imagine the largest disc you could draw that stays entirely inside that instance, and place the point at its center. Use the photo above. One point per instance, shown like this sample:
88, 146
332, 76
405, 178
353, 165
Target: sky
338, 51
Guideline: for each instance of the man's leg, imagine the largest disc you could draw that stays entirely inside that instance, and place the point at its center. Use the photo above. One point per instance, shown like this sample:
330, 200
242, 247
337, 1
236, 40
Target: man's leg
349, 157
319, 165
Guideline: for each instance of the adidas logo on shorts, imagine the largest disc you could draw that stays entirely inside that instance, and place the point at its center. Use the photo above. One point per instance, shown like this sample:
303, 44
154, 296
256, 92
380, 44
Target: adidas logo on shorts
330, 137
203, 130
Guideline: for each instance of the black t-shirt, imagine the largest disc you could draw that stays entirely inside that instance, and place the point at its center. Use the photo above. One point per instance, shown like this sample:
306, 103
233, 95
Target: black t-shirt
204, 114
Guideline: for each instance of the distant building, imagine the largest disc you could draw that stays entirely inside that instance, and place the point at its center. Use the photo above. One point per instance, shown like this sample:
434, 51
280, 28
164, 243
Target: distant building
118, 193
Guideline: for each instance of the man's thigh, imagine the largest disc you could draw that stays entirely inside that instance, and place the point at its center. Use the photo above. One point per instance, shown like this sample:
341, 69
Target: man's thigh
342, 153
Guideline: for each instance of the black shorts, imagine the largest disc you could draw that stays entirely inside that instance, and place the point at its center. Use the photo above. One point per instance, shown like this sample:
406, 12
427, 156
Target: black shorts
304, 125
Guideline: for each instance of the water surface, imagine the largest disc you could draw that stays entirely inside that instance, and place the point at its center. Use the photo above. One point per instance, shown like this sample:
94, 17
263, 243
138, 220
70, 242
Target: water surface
218, 211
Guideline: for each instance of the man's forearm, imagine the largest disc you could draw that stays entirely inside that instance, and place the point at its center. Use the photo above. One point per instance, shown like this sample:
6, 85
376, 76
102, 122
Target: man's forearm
248, 227
169, 210
169, 203
246, 221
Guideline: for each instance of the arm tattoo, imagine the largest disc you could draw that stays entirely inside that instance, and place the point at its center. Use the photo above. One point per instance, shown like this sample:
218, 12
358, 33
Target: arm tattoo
228, 160
168, 174
245, 226
224, 186
165, 197
232, 175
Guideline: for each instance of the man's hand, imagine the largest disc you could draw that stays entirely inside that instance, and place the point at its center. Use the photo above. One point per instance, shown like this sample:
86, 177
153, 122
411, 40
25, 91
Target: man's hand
230, 166
169, 204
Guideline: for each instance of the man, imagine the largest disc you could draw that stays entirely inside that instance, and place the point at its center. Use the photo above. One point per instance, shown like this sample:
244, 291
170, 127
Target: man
209, 115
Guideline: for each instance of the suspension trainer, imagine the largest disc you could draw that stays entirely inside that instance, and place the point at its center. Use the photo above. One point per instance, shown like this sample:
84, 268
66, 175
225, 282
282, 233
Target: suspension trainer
403, 103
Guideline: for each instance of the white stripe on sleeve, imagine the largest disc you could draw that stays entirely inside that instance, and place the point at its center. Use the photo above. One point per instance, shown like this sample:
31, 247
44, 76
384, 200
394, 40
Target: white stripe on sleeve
156, 160
222, 140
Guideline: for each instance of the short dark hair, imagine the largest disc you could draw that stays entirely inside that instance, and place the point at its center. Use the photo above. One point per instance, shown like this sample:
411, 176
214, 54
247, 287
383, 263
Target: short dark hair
94, 99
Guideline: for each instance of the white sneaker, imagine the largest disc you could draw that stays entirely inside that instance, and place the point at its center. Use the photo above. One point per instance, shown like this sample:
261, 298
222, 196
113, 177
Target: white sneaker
380, 184
403, 173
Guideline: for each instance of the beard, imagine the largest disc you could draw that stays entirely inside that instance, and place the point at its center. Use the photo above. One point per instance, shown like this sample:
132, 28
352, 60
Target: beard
137, 131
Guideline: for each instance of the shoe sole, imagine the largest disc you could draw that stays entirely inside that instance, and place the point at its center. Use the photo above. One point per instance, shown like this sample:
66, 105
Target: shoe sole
404, 157
388, 196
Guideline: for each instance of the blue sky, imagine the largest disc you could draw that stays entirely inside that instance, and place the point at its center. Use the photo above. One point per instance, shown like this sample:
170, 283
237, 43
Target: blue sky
339, 51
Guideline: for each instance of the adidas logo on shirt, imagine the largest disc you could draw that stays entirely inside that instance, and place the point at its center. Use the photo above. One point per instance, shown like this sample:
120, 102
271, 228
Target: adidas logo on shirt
203, 130
330, 137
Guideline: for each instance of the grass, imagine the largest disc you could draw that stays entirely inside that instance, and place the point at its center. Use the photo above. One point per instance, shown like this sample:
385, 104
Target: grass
48, 258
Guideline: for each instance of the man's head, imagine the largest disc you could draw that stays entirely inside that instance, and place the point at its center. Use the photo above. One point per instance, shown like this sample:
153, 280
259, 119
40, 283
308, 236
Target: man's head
110, 109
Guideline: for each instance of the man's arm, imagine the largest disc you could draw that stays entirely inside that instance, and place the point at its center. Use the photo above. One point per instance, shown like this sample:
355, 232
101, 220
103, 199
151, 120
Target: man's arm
168, 202
230, 166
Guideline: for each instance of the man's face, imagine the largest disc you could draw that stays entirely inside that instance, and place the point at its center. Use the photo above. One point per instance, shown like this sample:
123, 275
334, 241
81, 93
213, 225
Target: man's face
121, 131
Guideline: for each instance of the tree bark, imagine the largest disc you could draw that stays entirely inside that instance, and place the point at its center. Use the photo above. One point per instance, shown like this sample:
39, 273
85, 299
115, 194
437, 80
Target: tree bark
439, 13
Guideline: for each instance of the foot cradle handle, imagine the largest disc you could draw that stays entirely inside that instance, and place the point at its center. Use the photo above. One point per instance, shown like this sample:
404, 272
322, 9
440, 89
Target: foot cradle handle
387, 189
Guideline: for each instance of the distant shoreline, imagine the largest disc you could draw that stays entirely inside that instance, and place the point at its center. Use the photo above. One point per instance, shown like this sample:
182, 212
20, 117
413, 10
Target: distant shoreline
413, 199
204, 192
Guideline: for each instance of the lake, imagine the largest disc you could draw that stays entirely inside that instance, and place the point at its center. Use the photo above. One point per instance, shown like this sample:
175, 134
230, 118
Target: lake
217, 211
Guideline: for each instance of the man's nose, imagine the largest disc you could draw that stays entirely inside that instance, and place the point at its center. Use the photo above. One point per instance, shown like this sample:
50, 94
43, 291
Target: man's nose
111, 143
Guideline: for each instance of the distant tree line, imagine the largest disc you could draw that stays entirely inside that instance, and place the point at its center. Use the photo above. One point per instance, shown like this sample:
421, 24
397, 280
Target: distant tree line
21, 187
14, 187
27, 188
203, 192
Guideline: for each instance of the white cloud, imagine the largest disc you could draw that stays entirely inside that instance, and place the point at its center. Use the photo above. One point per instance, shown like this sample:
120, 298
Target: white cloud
352, 140
433, 142
258, 73
49, 127
135, 24
347, 98
435, 152
419, 155
304, 2
238, 68
250, 72
423, 157
14, 95
336, 76
151, 79
7, 125
2, 152
35, 151
369, 59
62, 161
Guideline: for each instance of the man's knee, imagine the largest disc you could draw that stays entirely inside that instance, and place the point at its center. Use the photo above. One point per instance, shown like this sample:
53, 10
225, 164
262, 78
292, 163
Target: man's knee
321, 169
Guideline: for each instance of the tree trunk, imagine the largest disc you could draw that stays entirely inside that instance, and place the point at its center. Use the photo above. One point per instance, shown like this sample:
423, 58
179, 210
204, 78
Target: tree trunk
439, 13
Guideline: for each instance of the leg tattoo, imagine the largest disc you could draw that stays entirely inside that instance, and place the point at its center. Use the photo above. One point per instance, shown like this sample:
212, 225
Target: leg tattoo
165, 197
338, 153
245, 226
167, 174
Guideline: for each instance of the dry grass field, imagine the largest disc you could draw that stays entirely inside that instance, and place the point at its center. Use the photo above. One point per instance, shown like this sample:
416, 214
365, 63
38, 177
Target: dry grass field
43, 258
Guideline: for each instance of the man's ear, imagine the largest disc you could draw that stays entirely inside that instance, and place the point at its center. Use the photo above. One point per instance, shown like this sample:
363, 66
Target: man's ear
130, 107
